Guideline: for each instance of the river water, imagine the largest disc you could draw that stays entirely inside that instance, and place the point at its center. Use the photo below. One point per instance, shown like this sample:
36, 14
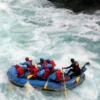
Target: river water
35, 28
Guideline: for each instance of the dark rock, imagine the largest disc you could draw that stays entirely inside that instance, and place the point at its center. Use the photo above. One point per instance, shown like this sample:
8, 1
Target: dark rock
78, 5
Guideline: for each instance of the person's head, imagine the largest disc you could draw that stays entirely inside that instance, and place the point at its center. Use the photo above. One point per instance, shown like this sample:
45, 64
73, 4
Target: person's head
41, 59
48, 60
72, 60
27, 58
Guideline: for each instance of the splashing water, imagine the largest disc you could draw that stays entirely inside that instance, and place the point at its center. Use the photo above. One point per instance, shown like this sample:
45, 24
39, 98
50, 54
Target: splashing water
35, 28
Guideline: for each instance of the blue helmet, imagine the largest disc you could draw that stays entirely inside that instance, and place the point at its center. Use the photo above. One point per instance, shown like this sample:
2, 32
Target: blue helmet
48, 60
41, 59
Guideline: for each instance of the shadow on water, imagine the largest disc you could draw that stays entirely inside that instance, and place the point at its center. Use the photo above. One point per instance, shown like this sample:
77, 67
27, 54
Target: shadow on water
52, 93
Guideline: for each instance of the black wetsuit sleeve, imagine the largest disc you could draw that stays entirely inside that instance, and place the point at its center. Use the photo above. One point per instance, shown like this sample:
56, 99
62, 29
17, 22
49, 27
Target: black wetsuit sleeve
68, 67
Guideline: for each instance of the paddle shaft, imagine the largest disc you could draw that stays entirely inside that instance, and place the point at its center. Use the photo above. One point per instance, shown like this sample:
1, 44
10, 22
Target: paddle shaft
65, 90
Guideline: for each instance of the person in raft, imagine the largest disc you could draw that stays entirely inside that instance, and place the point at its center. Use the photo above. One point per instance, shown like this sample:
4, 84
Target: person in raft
27, 62
41, 64
50, 64
30, 69
56, 76
42, 61
74, 67
20, 71
33, 71
43, 73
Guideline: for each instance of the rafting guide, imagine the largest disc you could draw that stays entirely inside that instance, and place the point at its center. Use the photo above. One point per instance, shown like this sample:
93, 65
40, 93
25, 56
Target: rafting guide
74, 68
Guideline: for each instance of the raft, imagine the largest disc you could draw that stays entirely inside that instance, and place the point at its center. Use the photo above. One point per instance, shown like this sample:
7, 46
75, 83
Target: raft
39, 84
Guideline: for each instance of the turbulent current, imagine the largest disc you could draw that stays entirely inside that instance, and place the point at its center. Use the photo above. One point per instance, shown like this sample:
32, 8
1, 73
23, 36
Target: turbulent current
35, 28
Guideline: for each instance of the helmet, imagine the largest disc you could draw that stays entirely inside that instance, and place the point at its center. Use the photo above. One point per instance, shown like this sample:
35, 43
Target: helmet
48, 60
27, 58
41, 59
72, 60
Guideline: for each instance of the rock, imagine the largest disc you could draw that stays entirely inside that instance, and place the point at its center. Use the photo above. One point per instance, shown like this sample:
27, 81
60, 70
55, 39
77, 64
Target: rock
78, 5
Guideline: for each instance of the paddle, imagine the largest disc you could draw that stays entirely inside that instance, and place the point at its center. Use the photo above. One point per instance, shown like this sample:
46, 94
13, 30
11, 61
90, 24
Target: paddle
29, 76
78, 78
46, 84
65, 90
10, 86
28, 85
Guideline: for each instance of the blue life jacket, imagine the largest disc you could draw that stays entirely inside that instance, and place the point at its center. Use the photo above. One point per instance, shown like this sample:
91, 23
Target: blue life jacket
26, 63
40, 73
49, 65
42, 67
53, 76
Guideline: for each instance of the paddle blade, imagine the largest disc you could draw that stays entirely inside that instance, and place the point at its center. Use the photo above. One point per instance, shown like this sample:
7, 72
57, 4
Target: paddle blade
87, 63
46, 84
78, 79
65, 89
28, 85
29, 76
10, 86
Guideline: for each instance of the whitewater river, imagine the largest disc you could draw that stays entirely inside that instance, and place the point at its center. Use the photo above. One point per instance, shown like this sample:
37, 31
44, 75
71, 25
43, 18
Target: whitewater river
35, 28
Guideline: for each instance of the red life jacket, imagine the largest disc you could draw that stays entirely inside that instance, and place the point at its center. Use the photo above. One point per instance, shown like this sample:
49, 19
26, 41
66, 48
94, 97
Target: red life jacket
46, 74
66, 79
45, 67
52, 63
34, 72
30, 62
20, 71
31, 67
58, 75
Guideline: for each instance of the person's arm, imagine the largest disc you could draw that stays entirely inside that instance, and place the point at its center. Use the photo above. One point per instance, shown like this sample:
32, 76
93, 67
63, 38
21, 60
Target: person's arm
39, 63
67, 67
25, 63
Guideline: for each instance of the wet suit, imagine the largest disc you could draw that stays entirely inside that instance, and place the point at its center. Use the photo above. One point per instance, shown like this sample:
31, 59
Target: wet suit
74, 68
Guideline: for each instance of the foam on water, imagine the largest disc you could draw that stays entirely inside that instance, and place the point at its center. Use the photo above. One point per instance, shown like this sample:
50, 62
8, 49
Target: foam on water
35, 28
